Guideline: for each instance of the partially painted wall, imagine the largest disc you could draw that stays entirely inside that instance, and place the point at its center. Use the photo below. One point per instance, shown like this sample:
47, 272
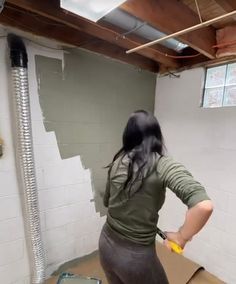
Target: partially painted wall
87, 105
204, 140
69, 222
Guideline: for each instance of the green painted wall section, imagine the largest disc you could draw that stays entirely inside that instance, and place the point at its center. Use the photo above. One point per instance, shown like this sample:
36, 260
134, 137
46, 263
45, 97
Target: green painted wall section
87, 105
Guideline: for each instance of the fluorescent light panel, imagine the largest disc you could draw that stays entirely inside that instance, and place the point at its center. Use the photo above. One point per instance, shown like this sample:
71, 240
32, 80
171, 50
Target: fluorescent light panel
90, 9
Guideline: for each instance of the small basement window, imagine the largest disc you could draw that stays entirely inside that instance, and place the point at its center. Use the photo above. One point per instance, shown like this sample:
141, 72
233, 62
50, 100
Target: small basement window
220, 86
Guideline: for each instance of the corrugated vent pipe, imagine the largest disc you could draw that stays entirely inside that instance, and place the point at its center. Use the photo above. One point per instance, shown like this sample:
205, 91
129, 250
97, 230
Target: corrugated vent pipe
132, 24
25, 156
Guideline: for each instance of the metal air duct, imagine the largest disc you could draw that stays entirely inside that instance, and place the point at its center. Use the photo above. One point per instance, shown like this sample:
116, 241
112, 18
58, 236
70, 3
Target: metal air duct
129, 23
25, 156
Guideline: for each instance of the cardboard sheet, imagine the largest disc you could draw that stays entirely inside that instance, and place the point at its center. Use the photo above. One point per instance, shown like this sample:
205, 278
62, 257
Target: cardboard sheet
179, 269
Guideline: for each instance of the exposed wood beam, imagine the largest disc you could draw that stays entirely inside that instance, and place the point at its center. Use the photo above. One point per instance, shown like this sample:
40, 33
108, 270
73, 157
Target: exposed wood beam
51, 10
197, 61
116, 52
172, 16
201, 62
227, 5
37, 25
185, 31
187, 63
43, 27
182, 62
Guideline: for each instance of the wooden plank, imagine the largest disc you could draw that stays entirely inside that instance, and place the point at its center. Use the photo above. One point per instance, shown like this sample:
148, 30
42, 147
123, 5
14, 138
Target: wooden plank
51, 10
183, 32
182, 61
37, 25
172, 16
227, 5
43, 27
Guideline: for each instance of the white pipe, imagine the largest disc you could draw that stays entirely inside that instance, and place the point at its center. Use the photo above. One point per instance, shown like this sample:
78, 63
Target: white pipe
190, 29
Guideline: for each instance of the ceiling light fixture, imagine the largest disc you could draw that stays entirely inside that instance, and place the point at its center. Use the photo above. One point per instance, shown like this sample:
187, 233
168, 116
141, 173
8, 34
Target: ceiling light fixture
90, 9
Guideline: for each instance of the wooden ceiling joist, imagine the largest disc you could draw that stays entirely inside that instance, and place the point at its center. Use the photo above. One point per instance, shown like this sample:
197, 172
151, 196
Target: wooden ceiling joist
107, 49
51, 10
227, 5
42, 27
172, 16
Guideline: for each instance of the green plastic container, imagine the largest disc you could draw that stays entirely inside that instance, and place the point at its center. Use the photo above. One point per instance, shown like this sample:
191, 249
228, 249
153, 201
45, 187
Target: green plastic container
69, 278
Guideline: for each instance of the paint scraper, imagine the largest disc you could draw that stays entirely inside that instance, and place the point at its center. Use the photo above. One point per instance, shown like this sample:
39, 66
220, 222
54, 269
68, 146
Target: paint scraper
175, 247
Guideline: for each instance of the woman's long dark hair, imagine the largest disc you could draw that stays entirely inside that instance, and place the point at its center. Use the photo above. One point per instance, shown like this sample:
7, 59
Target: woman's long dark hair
141, 138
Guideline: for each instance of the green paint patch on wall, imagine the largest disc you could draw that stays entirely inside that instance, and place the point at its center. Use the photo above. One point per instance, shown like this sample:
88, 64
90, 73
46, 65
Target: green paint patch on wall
87, 106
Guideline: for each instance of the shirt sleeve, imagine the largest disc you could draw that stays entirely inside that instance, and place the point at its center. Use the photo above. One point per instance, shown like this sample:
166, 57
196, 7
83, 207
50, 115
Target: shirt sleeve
178, 179
107, 194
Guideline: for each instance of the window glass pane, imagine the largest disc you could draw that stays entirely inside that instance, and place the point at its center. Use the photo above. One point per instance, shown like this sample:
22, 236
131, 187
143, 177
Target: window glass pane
216, 76
230, 96
231, 74
213, 97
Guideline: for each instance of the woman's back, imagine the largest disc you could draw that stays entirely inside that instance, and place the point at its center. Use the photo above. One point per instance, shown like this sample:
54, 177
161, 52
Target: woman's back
135, 216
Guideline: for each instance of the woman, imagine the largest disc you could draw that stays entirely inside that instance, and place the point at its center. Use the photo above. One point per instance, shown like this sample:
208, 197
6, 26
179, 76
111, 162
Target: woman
137, 180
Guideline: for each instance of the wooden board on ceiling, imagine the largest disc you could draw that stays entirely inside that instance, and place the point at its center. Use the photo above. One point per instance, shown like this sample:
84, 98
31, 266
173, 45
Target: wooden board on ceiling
172, 16
210, 9
70, 28
51, 10
38, 25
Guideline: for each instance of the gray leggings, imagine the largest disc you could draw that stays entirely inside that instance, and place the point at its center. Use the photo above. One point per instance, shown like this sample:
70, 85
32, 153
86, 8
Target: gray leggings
126, 262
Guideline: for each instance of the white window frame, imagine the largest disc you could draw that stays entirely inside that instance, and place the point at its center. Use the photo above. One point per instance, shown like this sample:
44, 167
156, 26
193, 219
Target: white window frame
223, 86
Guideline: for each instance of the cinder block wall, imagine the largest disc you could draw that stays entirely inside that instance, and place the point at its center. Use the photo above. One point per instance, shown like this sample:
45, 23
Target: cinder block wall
204, 140
87, 105
70, 224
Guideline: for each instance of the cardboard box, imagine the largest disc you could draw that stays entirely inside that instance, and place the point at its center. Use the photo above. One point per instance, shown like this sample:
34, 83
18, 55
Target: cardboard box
179, 269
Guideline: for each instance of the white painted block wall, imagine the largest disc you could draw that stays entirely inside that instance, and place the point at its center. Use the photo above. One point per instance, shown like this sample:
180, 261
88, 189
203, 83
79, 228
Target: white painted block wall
204, 140
70, 225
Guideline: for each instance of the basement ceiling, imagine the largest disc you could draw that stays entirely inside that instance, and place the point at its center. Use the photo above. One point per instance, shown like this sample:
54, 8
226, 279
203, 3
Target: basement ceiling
132, 24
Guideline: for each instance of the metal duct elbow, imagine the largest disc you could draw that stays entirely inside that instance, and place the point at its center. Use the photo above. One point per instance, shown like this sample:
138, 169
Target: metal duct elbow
18, 54
25, 156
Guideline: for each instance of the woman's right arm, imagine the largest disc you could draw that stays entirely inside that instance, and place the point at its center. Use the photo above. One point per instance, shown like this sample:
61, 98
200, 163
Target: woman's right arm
196, 218
192, 193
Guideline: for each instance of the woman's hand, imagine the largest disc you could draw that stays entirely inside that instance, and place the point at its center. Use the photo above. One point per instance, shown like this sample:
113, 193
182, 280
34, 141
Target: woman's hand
176, 238
196, 218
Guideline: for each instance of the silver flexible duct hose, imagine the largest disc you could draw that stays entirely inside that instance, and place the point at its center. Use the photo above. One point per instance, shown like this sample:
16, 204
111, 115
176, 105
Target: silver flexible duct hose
27, 170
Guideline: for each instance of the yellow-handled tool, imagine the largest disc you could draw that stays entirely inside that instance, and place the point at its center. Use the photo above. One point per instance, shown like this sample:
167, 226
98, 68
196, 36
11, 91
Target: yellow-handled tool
175, 247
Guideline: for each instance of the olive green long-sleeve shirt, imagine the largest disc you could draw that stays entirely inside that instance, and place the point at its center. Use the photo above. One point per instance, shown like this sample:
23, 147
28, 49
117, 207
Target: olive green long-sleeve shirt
136, 218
